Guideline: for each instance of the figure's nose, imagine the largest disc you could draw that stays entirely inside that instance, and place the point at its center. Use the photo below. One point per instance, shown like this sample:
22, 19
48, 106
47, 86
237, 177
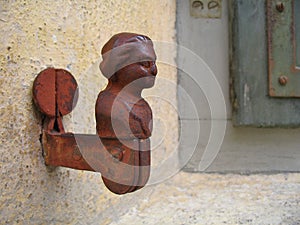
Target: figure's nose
153, 69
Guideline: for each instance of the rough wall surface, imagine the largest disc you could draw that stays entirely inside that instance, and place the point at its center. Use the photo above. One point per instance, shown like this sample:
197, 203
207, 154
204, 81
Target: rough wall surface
69, 35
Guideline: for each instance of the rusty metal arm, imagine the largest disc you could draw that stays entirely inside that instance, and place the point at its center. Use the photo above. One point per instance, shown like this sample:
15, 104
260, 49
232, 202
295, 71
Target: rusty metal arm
123, 164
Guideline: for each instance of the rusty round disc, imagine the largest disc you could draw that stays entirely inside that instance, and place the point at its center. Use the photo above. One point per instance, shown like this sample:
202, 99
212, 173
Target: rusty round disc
55, 92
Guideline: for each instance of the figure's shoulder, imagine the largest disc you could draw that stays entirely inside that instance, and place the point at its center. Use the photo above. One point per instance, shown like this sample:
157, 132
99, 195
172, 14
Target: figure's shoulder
105, 95
104, 103
108, 102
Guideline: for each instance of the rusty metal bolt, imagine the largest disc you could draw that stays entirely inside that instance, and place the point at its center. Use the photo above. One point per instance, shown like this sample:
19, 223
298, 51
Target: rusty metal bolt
283, 80
117, 154
76, 154
280, 7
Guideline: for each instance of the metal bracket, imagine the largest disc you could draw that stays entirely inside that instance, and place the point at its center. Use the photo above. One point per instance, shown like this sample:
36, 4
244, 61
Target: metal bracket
124, 164
283, 19
121, 150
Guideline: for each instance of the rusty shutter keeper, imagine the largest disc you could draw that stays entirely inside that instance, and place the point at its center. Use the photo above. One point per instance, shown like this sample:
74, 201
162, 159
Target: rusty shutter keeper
121, 150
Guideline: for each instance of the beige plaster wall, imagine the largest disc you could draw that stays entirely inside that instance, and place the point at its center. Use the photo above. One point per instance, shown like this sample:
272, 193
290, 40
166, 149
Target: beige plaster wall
69, 35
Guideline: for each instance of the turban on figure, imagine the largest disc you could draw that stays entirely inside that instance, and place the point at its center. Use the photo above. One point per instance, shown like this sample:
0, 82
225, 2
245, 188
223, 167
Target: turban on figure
124, 49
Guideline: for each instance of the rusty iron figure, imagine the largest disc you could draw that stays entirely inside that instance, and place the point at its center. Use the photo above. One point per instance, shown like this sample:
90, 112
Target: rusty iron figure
121, 148
121, 112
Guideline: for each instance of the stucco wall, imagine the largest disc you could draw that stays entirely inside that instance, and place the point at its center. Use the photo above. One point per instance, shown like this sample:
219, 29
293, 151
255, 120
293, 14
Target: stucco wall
69, 35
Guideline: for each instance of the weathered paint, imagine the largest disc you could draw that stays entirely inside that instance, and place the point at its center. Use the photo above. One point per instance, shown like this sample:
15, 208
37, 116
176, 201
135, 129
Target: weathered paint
282, 46
249, 65
244, 149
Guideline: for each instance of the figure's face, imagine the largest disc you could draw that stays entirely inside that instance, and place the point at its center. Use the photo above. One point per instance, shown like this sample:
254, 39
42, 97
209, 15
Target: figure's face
141, 74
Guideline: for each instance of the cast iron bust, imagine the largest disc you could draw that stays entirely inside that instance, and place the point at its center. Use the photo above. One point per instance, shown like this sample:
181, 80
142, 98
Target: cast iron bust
121, 149
124, 118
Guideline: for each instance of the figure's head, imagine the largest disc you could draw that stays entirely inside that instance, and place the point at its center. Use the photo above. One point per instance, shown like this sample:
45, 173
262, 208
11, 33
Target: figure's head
129, 57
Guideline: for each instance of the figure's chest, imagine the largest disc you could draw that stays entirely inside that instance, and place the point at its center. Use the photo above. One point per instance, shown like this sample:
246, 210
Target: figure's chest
140, 118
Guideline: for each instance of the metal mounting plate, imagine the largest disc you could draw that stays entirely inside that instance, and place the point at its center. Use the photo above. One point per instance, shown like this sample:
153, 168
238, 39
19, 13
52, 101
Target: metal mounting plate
283, 26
